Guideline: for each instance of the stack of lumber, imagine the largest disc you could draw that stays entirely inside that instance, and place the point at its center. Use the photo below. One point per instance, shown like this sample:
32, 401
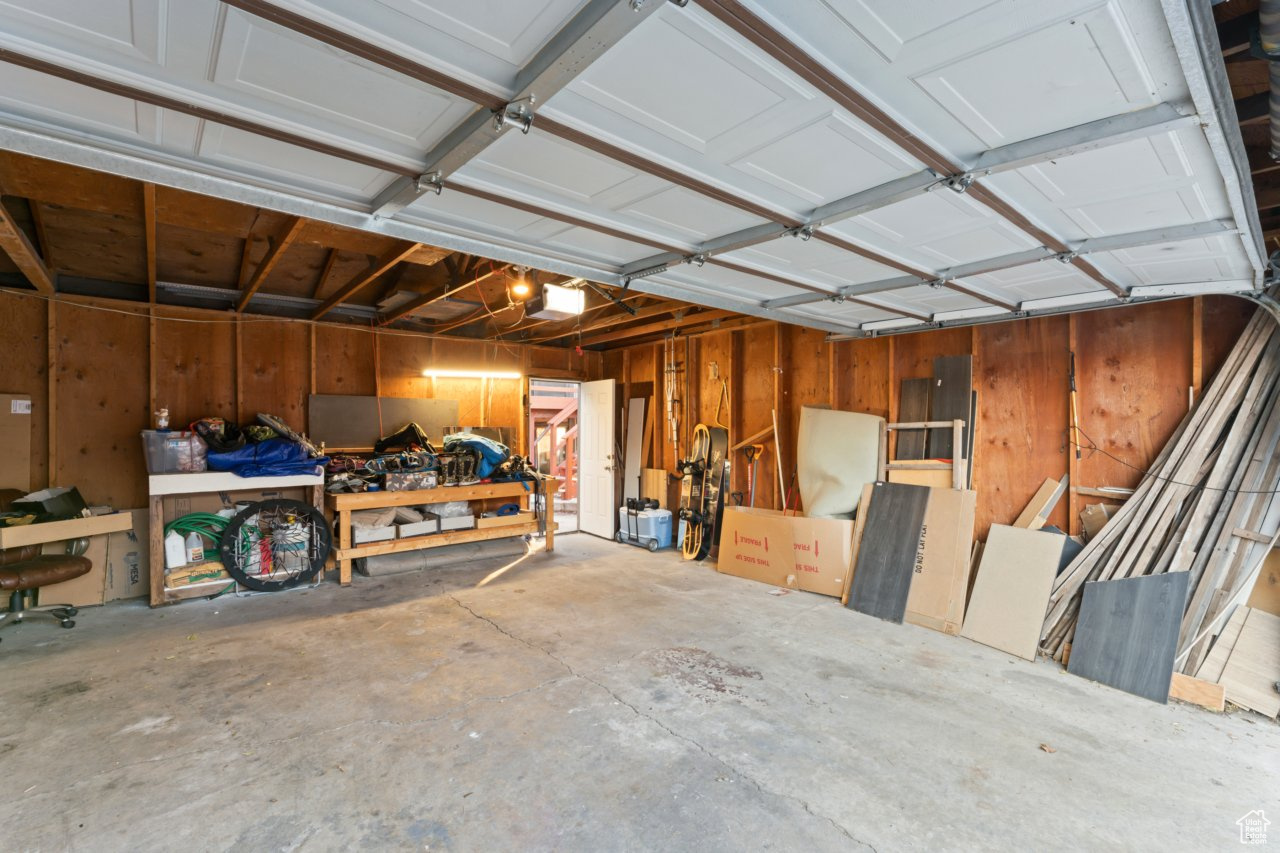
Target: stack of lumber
1207, 507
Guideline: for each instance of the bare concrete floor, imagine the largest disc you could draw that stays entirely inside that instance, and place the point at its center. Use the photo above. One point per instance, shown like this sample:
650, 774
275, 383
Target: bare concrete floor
602, 698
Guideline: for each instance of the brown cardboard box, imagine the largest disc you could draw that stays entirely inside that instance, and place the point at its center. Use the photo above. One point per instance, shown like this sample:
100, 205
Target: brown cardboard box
15, 442
756, 544
821, 549
941, 579
86, 590
129, 559
936, 477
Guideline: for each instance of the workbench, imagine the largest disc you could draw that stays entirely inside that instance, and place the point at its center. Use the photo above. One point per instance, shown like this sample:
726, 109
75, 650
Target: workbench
343, 505
160, 486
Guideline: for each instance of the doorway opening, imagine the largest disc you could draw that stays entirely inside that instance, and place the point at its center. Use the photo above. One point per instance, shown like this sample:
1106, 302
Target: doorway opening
554, 445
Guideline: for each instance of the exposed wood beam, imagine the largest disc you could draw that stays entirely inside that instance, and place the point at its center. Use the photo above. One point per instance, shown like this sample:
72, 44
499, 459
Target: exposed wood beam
613, 320
697, 331
149, 234
690, 319
42, 237
290, 232
325, 271
19, 249
426, 299
185, 107
532, 324
364, 279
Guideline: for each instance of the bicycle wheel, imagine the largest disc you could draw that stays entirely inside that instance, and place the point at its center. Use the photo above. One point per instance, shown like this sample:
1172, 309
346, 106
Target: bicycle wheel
276, 544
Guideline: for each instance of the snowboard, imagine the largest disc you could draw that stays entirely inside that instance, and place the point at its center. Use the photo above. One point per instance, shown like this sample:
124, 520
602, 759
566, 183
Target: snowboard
702, 491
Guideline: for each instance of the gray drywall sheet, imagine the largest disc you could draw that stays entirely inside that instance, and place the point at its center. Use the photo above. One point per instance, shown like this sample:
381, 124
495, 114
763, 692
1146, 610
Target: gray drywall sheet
350, 421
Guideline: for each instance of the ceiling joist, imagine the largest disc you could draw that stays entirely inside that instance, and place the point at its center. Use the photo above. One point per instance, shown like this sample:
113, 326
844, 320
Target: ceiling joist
364, 279
19, 249
279, 246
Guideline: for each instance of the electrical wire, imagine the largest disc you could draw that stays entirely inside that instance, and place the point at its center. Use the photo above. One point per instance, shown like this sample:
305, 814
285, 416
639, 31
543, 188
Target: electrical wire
1093, 447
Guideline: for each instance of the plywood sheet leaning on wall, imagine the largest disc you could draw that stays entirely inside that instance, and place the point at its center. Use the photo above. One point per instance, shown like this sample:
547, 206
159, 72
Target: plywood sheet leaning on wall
1253, 668
951, 399
1011, 590
837, 453
913, 407
1128, 633
1266, 589
887, 552
941, 575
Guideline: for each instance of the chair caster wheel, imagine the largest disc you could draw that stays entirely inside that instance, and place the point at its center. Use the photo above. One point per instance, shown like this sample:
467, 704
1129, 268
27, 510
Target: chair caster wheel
67, 623
71, 611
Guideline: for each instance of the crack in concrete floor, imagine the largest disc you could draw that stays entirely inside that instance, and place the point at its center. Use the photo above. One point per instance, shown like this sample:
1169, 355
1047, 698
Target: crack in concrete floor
753, 781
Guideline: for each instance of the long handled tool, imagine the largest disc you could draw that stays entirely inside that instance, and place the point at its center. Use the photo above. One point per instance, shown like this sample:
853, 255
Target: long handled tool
752, 452
1075, 411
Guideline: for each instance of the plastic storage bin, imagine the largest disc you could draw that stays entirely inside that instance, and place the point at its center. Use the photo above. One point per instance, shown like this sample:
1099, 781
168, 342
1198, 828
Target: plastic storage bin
174, 452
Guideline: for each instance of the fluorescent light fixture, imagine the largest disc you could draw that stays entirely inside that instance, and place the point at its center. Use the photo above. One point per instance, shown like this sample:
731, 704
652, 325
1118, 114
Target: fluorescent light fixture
556, 302
442, 373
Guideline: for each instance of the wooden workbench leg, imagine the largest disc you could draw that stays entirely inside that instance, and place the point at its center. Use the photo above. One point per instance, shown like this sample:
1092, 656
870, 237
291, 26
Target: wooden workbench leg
549, 499
344, 545
156, 544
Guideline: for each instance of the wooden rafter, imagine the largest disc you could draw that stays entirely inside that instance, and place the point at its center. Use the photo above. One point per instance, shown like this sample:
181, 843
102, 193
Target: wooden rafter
694, 318
592, 309
281, 244
612, 320
15, 244
149, 233
325, 272
426, 299
364, 279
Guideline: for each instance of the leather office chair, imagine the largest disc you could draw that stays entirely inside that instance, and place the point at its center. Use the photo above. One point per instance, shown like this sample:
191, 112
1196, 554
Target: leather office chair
25, 569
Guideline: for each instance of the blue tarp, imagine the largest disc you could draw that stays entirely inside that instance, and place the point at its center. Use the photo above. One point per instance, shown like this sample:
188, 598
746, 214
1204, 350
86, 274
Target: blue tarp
275, 457
491, 453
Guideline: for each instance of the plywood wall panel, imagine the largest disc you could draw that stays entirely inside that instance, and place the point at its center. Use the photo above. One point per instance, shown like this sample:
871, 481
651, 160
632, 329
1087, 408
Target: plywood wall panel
275, 370
344, 361
1224, 318
1020, 370
23, 328
194, 366
866, 379
754, 406
102, 402
1134, 370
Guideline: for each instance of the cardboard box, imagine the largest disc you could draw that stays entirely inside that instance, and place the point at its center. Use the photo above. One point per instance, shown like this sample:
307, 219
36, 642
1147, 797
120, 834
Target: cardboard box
457, 522
51, 504
941, 576
428, 525
362, 535
129, 559
408, 481
15, 441
755, 544
86, 590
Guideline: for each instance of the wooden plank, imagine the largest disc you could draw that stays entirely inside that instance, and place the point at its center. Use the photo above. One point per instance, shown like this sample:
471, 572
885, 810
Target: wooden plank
283, 240
1037, 511
1253, 669
1011, 590
1127, 634
663, 326
1206, 694
14, 243
913, 405
364, 279
435, 540
859, 525
376, 500
887, 555
950, 400
149, 237
941, 574
57, 531
1216, 661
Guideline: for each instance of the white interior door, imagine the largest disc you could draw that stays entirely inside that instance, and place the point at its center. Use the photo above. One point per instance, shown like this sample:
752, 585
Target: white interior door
597, 504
